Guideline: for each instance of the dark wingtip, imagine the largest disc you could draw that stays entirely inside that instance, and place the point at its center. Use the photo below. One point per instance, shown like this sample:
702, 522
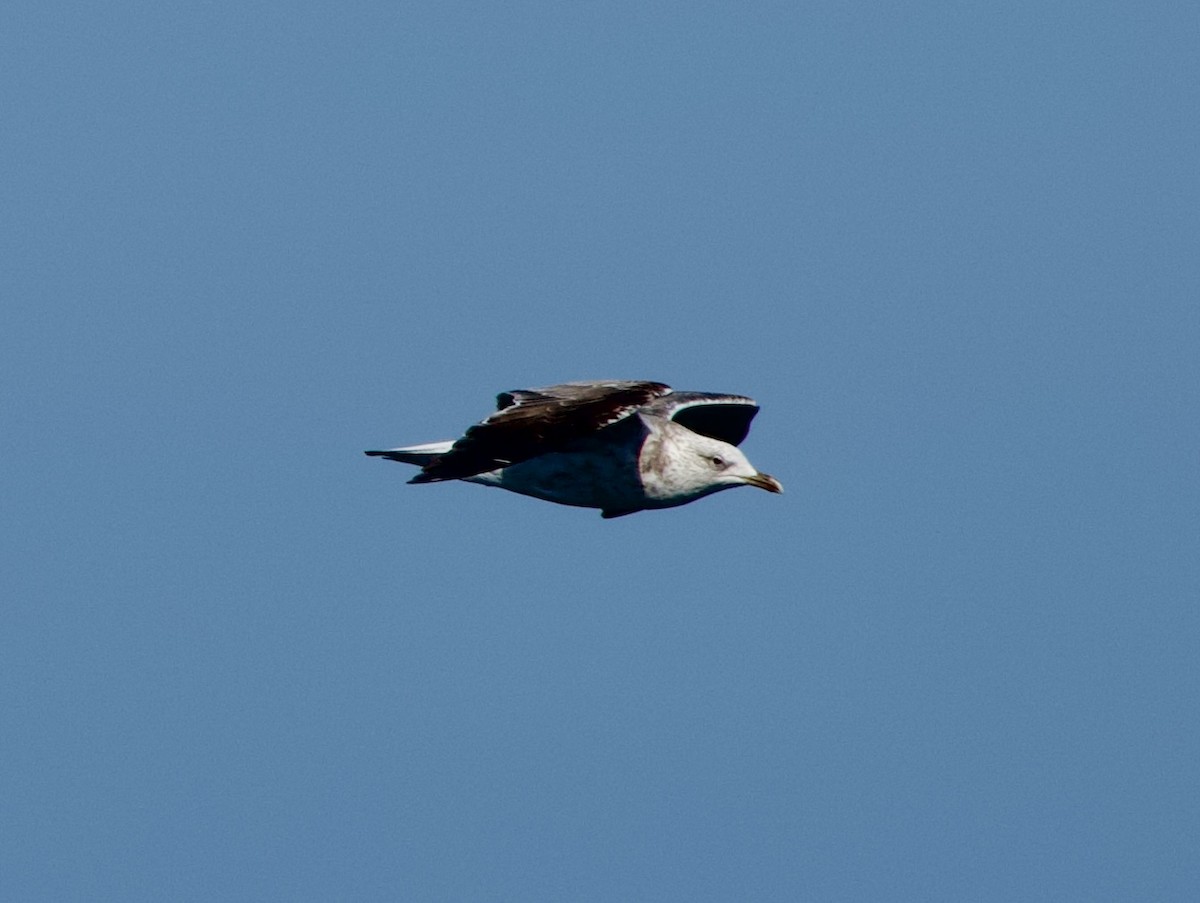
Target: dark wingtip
374, 454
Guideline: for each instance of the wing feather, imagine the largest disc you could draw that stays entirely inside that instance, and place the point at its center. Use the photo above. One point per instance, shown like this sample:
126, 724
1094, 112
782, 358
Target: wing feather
724, 417
532, 422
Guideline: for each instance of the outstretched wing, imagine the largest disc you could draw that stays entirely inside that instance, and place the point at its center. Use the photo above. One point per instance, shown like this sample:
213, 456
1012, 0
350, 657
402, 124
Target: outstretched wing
532, 422
724, 417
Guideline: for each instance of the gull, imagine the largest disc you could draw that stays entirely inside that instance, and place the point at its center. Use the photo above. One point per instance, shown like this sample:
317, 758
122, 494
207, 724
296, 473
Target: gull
618, 445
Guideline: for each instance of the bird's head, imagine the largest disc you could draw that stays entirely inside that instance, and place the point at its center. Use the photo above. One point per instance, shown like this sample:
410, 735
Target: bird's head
699, 465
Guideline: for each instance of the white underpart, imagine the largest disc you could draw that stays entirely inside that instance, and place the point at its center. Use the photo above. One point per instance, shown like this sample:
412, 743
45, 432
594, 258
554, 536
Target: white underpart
591, 474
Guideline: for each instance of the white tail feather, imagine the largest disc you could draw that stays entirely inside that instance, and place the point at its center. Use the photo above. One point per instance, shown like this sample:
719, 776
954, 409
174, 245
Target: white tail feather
415, 454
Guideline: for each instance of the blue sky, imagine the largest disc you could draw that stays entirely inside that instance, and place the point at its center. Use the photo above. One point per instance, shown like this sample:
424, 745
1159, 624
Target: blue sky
951, 249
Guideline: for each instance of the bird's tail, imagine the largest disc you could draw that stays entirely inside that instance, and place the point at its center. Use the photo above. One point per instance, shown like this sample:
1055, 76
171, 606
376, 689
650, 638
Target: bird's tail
414, 454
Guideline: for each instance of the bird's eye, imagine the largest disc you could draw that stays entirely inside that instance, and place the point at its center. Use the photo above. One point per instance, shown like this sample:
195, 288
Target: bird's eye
717, 462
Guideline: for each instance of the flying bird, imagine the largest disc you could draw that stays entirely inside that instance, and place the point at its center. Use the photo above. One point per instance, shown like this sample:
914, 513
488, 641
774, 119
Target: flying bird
620, 446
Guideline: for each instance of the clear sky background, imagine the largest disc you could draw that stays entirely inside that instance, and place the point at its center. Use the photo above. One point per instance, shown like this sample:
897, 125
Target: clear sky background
952, 249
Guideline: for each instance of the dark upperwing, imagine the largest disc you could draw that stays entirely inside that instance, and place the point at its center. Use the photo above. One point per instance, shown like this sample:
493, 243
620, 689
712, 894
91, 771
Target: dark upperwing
532, 422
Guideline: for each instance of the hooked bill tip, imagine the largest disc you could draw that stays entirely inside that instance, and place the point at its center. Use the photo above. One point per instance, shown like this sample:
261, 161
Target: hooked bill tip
765, 481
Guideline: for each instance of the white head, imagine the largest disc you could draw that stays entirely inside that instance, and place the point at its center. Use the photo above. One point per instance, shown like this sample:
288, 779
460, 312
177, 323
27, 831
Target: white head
684, 466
